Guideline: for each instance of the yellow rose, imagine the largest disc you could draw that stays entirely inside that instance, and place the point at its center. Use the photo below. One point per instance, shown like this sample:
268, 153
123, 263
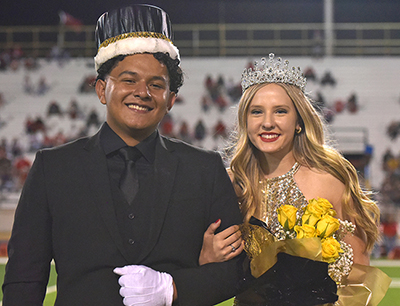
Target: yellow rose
287, 216
327, 226
318, 207
305, 231
330, 249
325, 204
310, 219
331, 212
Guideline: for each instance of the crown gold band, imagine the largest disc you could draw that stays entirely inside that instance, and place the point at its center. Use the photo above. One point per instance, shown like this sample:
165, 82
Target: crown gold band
133, 35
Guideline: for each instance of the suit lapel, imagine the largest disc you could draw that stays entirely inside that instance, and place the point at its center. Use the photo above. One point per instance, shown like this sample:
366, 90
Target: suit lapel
99, 183
165, 166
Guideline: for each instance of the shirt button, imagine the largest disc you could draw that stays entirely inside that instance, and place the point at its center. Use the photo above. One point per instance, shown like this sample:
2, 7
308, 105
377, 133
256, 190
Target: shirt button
131, 216
131, 241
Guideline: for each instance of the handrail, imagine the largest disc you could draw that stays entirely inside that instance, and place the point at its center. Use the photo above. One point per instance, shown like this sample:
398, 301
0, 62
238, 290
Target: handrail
350, 140
294, 39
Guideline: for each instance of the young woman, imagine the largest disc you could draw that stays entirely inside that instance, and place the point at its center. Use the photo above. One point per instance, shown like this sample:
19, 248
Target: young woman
281, 157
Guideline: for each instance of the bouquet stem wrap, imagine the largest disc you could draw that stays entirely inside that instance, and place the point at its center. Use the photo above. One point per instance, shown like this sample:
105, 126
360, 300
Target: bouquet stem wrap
309, 248
364, 286
262, 248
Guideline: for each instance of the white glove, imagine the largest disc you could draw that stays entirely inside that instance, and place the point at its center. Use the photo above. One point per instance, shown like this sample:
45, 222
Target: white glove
141, 285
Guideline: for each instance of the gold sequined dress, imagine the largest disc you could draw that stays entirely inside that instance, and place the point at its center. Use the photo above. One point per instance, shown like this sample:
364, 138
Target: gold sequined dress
279, 191
283, 190
276, 192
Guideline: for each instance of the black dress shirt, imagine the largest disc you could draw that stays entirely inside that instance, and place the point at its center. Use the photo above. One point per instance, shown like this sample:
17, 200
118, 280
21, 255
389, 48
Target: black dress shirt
131, 218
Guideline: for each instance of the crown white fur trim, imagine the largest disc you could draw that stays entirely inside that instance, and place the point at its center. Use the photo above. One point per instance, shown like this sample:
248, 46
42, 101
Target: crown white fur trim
134, 45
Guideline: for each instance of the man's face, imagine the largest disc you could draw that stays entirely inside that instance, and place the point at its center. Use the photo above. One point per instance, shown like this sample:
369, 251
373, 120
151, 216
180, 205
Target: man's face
137, 96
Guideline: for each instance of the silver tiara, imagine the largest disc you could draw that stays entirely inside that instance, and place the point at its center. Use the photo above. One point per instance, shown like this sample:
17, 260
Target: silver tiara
273, 71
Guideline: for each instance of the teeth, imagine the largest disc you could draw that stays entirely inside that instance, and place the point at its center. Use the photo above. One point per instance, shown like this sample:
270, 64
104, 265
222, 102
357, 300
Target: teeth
138, 107
269, 136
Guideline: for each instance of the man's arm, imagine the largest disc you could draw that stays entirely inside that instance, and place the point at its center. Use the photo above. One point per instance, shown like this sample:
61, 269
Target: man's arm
211, 198
29, 249
215, 282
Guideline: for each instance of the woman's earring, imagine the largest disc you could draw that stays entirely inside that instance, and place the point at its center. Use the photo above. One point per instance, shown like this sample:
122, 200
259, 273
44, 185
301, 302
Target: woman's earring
298, 131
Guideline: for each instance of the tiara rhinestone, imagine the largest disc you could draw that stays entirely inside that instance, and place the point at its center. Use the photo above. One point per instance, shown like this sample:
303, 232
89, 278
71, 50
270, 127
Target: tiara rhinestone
273, 71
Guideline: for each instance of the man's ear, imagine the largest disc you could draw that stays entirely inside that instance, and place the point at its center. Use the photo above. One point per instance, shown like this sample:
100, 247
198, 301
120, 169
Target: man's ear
171, 100
100, 90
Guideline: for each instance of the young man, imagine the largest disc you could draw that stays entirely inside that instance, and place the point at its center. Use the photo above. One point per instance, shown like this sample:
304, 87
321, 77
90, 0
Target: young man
73, 208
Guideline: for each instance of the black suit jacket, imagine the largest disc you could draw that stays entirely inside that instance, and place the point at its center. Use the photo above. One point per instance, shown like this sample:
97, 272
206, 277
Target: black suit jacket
66, 213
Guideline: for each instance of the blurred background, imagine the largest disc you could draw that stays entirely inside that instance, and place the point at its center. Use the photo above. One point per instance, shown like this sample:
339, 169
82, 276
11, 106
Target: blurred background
349, 51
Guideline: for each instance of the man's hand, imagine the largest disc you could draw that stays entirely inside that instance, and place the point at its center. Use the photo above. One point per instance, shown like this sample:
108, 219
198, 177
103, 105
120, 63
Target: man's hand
141, 285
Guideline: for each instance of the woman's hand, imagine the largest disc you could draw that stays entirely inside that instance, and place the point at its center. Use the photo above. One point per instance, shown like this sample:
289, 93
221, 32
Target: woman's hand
222, 246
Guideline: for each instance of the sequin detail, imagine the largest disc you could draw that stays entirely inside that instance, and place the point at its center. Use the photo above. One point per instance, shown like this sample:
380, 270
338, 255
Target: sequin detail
280, 191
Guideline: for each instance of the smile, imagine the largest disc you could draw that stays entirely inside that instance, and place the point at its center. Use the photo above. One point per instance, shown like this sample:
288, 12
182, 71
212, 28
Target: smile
139, 108
269, 137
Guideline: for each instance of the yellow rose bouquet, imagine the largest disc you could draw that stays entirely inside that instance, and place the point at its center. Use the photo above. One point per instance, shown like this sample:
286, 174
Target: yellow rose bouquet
301, 259
318, 220
294, 261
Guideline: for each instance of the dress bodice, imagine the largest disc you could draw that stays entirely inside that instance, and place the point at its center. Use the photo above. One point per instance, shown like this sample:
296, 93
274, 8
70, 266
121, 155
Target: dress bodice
276, 192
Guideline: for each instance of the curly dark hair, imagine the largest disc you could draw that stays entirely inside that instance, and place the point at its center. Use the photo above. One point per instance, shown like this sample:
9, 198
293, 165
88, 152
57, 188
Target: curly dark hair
174, 71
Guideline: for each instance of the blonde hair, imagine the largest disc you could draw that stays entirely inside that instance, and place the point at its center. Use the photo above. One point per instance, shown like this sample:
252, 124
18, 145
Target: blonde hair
310, 150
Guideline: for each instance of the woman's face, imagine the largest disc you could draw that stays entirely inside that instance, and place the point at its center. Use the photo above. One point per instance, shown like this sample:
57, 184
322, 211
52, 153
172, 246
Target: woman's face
272, 121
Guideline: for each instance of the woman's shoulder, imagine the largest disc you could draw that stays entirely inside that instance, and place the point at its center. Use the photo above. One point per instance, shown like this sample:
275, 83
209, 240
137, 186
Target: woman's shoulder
317, 176
316, 183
